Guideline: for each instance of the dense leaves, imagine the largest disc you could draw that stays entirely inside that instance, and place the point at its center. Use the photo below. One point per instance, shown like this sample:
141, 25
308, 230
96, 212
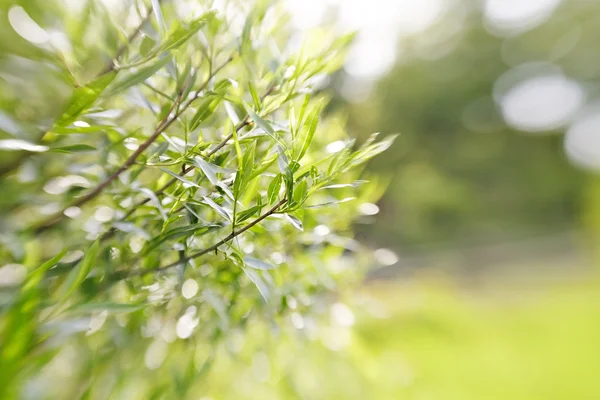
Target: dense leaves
163, 207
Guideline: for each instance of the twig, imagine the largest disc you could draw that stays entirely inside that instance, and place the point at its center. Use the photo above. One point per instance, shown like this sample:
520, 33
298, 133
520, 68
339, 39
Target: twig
160, 128
111, 65
215, 246
212, 151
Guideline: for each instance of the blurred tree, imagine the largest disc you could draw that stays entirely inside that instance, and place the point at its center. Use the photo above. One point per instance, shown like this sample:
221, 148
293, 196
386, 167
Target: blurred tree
460, 174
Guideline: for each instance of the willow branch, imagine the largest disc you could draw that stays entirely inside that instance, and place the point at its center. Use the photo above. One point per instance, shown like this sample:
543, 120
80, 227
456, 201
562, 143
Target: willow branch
215, 246
160, 128
244, 122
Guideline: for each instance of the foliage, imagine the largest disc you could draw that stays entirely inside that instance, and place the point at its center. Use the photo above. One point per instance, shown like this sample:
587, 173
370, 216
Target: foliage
431, 339
164, 166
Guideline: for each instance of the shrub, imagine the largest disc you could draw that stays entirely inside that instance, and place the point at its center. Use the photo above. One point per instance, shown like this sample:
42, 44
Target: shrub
162, 200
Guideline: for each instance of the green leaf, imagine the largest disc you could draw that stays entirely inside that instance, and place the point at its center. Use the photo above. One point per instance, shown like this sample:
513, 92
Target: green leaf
224, 213
35, 276
181, 34
300, 192
274, 188
180, 178
258, 264
308, 130
83, 98
339, 160
225, 189
244, 215
222, 86
366, 152
206, 108
259, 283
155, 201
147, 45
248, 161
331, 203
294, 221
158, 14
303, 110
207, 168
254, 95
21, 145
282, 162
314, 173
258, 120
263, 124
289, 183
74, 148
232, 113
239, 176
136, 77
80, 272
176, 233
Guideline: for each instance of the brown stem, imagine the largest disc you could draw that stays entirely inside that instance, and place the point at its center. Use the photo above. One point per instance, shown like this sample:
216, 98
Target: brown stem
215, 246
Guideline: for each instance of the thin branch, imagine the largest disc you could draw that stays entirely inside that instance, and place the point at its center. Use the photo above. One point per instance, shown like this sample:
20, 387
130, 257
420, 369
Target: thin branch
215, 246
111, 65
160, 128
240, 126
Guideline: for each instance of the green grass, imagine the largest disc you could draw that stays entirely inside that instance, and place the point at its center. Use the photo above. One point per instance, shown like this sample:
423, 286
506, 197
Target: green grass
436, 343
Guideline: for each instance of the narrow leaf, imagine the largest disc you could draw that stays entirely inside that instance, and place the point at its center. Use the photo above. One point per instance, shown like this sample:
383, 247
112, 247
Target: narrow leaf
258, 264
300, 192
205, 110
35, 276
274, 188
183, 231
254, 95
147, 45
180, 178
248, 161
158, 14
259, 283
308, 130
155, 201
263, 124
74, 148
80, 272
181, 34
83, 98
294, 221
331, 203
244, 215
137, 77
217, 208
207, 168
21, 145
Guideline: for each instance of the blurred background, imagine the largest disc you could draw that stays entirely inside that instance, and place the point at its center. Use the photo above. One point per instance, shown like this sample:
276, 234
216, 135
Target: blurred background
485, 276
487, 236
